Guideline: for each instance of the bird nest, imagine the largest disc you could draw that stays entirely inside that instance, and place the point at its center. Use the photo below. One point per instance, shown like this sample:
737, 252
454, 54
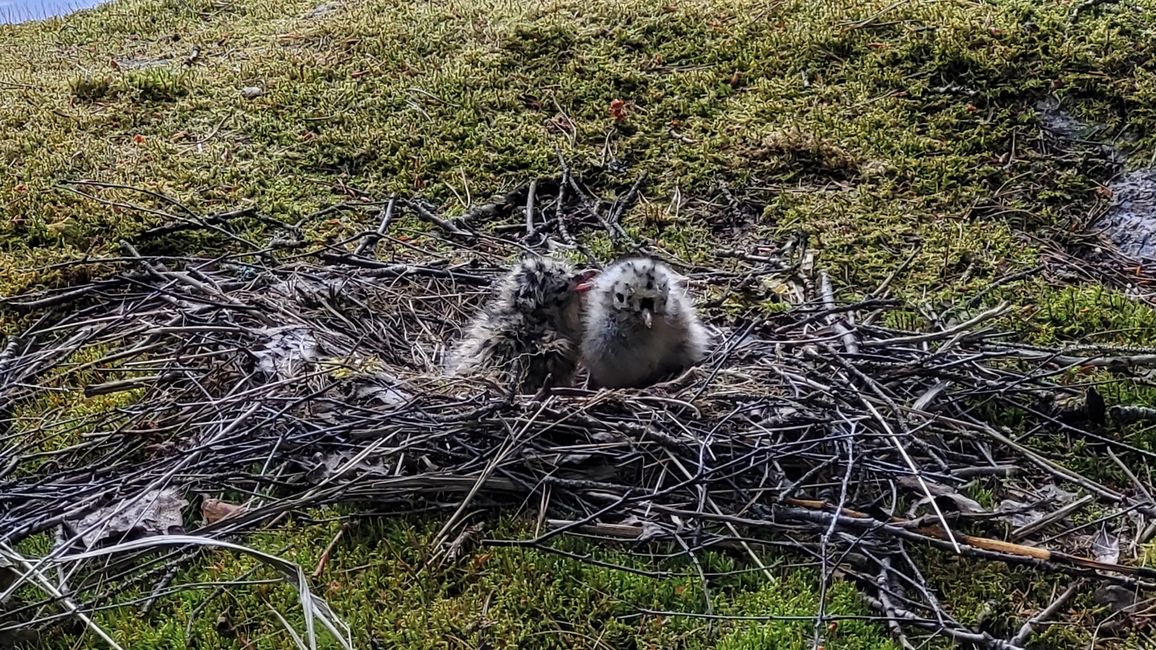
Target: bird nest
313, 378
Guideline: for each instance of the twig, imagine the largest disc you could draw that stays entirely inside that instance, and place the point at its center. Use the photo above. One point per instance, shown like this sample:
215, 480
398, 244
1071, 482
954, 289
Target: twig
382, 228
965, 326
1008, 279
1025, 631
530, 197
446, 226
844, 333
324, 559
881, 290
1048, 519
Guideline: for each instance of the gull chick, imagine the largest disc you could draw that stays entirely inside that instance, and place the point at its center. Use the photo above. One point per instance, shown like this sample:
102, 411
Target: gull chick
640, 325
529, 332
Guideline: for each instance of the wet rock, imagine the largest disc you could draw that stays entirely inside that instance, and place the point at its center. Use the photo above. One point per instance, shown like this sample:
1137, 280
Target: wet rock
1131, 218
1064, 127
19, 12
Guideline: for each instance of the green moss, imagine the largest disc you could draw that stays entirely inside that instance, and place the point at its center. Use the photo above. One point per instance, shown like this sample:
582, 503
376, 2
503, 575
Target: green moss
93, 89
894, 127
1093, 314
379, 579
157, 85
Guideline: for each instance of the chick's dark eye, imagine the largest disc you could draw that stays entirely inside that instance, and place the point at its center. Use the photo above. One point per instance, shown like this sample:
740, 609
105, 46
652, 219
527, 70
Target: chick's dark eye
619, 297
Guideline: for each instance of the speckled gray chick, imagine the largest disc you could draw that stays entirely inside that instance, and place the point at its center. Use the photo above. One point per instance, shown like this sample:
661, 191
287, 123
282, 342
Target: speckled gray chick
640, 325
528, 334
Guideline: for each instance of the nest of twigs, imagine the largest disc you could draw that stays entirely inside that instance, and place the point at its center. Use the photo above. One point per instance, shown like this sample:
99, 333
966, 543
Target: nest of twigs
312, 378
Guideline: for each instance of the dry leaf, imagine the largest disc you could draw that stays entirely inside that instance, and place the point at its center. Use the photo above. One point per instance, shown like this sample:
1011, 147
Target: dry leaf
1106, 547
214, 510
156, 512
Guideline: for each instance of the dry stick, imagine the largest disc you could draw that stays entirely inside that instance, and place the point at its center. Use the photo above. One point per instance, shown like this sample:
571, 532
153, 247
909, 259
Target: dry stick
914, 470
121, 385
1046, 520
560, 207
907, 529
1002, 471
382, 228
895, 409
826, 313
1133, 361
324, 560
764, 618
162, 584
920, 583
836, 324
982, 639
1131, 476
56, 299
963, 327
624, 203
592, 207
632, 532
378, 269
140, 190
161, 481
185, 278
1025, 630
559, 527
214, 219
530, 198
33, 574
881, 290
750, 551
447, 226
824, 574
690, 553
1059, 470
1085, 350
160, 213
1007, 279
508, 446
893, 619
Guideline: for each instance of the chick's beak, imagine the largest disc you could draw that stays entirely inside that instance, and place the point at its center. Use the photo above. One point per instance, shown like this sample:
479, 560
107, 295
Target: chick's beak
585, 281
647, 318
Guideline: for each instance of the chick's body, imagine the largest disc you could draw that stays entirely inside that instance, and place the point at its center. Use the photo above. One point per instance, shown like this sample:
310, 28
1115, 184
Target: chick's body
640, 325
528, 334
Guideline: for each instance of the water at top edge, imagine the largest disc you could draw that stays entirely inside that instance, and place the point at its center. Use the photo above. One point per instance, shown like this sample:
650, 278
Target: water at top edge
19, 11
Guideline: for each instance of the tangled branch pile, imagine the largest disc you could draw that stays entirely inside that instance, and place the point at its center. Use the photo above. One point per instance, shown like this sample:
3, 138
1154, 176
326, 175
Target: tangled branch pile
314, 381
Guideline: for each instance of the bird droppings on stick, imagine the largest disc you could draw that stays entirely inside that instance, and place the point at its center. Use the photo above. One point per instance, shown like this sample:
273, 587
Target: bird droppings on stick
314, 379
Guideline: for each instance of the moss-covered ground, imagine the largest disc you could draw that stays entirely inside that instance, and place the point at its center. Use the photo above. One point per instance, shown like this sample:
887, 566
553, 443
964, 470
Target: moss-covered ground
883, 129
